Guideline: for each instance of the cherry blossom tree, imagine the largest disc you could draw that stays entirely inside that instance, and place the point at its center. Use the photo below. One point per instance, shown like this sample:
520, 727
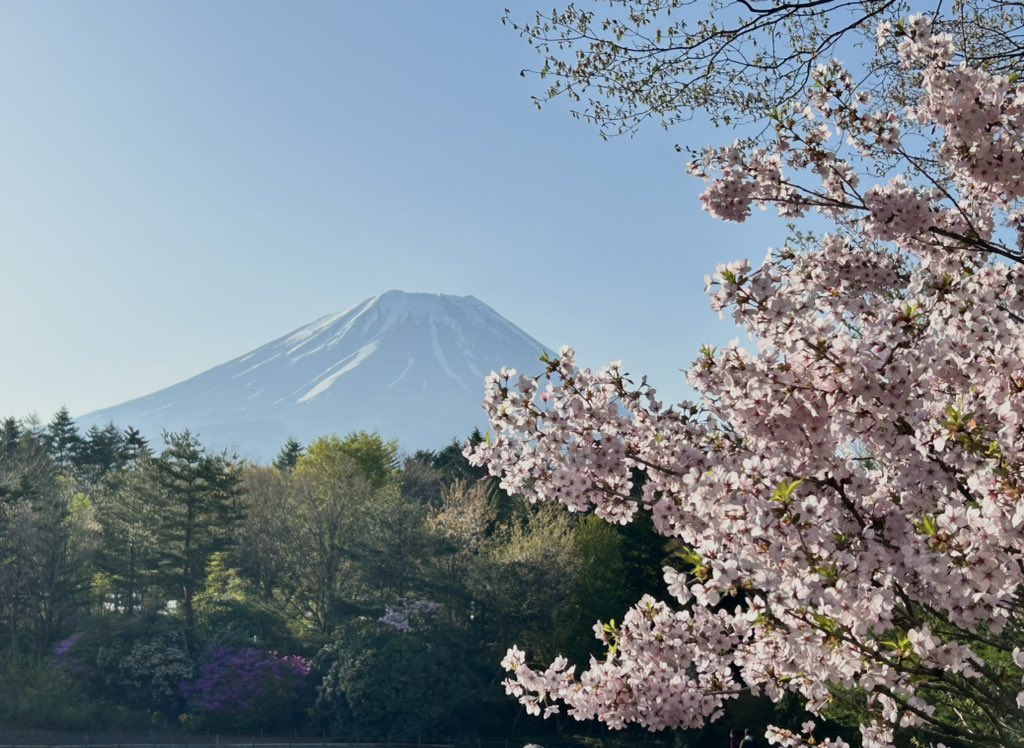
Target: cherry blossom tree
849, 489
622, 63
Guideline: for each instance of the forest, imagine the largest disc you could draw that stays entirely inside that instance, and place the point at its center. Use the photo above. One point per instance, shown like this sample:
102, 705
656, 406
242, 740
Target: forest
346, 590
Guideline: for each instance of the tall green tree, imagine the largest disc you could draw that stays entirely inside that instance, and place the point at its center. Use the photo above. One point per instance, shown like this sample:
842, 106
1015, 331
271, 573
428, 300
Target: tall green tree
196, 495
62, 438
361, 542
267, 534
134, 445
129, 557
45, 527
10, 434
330, 495
289, 455
100, 451
376, 458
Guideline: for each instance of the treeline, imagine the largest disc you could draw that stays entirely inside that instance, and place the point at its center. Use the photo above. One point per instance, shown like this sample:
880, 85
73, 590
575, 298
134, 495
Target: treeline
344, 590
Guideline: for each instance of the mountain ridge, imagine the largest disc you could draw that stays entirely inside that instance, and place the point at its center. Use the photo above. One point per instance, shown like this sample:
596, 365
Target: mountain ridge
407, 365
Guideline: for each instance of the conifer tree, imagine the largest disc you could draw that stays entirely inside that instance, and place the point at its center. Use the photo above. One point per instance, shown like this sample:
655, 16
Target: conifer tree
196, 497
62, 438
134, 445
100, 452
10, 434
128, 552
289, 455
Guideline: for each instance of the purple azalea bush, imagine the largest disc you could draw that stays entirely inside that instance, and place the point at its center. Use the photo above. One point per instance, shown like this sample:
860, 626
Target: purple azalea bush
246, 688
61, 648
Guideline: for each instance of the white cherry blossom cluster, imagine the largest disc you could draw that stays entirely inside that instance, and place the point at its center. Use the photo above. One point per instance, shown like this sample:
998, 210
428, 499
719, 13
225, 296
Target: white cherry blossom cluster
851, 491
949, 195
402, 616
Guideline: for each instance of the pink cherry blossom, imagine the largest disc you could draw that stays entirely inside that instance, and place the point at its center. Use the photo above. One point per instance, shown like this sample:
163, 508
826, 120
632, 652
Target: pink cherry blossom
850, 491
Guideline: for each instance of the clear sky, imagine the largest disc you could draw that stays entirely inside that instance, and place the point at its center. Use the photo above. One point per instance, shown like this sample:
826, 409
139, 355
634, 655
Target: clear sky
183, 181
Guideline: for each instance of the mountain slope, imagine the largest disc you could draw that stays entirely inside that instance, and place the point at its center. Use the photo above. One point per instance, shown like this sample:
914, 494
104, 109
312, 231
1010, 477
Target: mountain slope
408, 365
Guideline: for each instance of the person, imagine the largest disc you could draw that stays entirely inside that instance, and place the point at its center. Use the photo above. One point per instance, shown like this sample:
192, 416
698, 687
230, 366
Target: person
734, 739
748, 740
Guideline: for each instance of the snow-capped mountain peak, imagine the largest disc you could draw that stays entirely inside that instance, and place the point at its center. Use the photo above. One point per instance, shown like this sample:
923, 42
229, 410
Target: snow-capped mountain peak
408, 365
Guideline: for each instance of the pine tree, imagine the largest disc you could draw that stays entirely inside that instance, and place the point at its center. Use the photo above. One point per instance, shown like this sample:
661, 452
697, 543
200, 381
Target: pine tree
44, 545
134, 445
128, 554
100, 452
62, 438
10, 435
451, 462
289, 455
197, 503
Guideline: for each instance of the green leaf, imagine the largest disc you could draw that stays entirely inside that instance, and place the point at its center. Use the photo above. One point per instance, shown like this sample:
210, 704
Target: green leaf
784, 492
929, 526
826, 623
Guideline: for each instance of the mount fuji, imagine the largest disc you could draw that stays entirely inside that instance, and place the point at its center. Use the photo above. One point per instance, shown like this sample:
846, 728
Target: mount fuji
409, 366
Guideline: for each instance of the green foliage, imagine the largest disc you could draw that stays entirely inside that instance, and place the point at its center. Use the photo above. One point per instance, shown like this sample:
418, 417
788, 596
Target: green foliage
380, 683
196, 499
62, 438
228, 614
129, 556
136, 566
10, 435
600, 594
138, 661
421, 482
454, 465
45, 546
266, 541
526, 578
36, 692
375, 458
361, 540
134, 446
100, 452
289, 455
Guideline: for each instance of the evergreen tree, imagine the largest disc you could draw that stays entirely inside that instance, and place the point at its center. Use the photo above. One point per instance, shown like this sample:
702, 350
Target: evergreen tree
100, 452
289, 455
196, 495
10, 435
44, 546
421, 482
455, 466
128, 553
62, 438
134, 445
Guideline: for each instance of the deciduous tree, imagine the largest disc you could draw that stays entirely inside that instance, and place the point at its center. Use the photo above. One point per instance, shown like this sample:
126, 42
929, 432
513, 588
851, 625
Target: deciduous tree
622, 63
848, 494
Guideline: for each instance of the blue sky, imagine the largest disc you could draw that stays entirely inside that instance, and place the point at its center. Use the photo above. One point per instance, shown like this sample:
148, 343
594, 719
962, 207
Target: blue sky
183, 181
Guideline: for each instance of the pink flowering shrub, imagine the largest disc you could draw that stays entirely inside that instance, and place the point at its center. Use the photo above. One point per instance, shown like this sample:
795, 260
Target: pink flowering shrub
850, 490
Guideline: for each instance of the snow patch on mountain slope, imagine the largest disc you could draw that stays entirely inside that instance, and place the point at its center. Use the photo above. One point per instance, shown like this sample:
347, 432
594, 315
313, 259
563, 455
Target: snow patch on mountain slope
442, 359
304, 334
401, 376
353, 361
255, 366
